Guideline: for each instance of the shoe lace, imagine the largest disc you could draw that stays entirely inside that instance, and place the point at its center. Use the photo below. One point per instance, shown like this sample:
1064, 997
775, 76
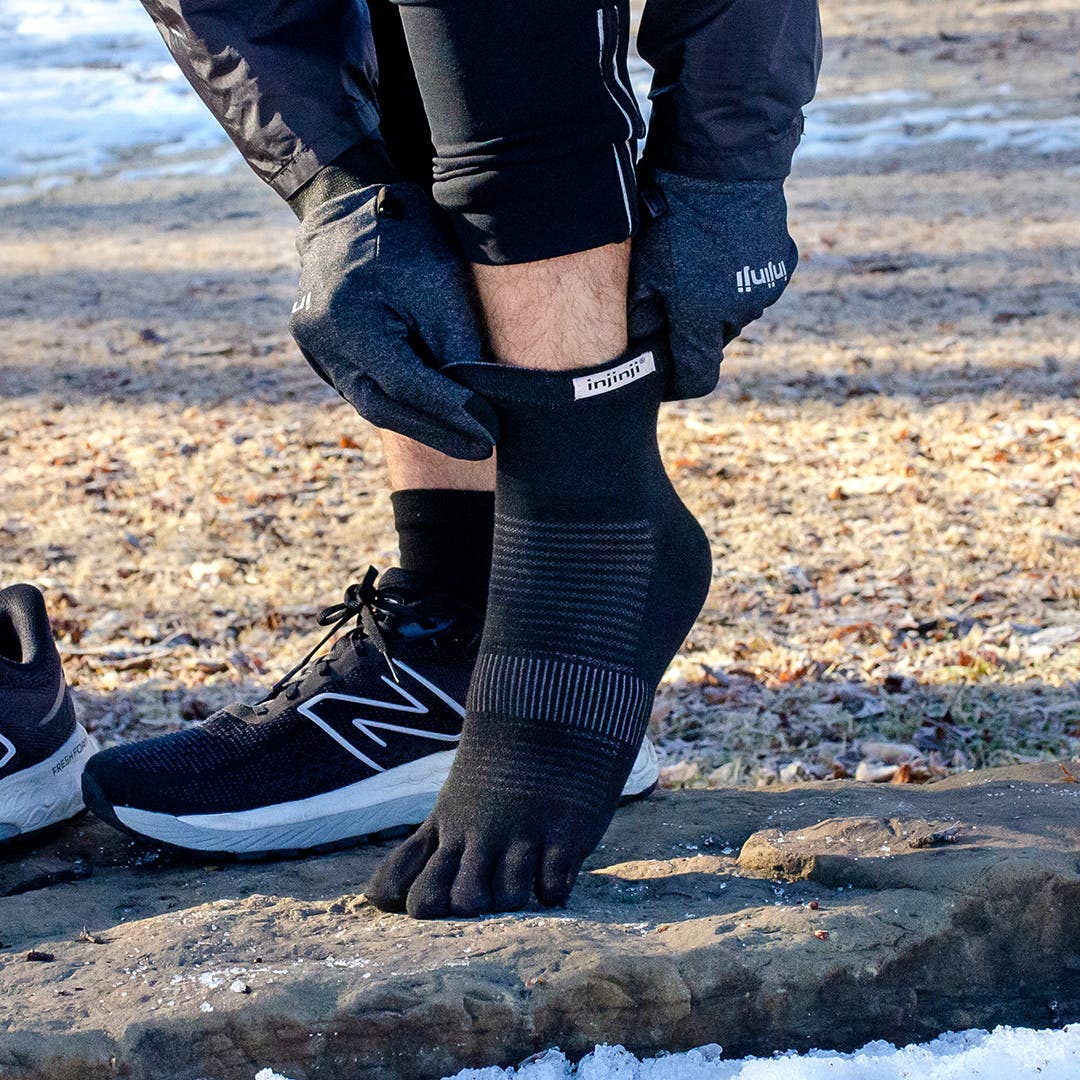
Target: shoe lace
362, 602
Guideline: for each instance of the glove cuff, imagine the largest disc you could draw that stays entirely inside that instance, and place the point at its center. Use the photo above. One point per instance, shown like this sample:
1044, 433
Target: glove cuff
361, 166
652, 177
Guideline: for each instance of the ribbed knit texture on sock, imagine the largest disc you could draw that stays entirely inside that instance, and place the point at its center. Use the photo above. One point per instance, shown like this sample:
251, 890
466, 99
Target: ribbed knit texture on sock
445, 535
598, 573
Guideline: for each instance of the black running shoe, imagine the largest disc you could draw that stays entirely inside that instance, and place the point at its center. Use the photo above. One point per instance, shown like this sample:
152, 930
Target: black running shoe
42, 748
356, 745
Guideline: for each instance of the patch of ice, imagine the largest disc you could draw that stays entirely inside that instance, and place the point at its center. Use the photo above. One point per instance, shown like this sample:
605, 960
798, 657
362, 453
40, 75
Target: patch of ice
895, 96
1006, 1053
216, 166
831, 132
83, 83
87, 87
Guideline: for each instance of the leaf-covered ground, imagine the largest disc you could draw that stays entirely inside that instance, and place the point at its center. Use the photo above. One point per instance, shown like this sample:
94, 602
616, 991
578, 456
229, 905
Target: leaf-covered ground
888, 470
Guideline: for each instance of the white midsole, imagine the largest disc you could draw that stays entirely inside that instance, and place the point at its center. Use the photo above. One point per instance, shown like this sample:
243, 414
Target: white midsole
387, 800
645, 773
48, 792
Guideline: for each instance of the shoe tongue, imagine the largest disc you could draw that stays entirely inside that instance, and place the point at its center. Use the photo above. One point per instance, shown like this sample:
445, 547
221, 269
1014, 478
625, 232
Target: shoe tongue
405, 583
410, 587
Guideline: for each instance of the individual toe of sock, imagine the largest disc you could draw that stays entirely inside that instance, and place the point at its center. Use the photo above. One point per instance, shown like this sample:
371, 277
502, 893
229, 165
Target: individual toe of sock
394, 876
557, 873
470, 894
512, 882
429, 896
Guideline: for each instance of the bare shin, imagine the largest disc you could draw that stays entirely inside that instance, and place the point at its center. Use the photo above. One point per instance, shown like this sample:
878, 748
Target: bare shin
560, 313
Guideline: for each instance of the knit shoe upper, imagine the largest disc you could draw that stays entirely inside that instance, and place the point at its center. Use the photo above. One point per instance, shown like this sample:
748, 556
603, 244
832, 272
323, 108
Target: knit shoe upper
388, 692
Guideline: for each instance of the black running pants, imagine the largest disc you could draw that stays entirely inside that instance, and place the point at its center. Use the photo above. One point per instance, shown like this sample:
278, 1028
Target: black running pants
529, 109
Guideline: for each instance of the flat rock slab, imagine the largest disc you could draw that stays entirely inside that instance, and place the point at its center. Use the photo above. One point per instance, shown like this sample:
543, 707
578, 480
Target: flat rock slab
821, 915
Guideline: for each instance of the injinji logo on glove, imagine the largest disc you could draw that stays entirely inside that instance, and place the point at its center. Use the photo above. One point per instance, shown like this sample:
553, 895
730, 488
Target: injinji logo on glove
768, 275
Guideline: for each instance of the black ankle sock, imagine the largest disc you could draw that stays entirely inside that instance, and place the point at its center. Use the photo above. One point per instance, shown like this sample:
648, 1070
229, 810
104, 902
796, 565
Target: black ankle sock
446, 535
598, 574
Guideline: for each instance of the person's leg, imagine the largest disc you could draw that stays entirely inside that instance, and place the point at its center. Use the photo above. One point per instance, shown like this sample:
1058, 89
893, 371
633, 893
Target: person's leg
444, 508
551, 314
511, 196
599, 572
598, 569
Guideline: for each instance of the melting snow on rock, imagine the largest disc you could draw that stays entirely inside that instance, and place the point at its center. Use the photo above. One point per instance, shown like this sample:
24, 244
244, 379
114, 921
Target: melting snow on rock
1006, 1053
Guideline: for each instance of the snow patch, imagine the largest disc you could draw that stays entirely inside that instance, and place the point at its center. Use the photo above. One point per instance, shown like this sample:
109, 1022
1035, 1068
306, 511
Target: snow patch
87, 88
1006, 1053
833, 132
86, 83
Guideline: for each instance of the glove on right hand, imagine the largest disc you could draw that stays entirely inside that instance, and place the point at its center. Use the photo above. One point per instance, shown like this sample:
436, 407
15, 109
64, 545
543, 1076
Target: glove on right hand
709, 258
383, 303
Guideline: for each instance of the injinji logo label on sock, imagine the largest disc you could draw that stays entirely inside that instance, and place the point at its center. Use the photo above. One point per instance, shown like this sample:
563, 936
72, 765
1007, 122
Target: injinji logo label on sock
612, 378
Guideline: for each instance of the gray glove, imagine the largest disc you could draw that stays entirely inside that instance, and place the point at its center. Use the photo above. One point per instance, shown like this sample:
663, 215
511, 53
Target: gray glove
710, 256
383, 304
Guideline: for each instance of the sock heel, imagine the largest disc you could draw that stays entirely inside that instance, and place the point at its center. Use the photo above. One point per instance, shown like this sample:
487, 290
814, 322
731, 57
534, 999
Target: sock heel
681, 586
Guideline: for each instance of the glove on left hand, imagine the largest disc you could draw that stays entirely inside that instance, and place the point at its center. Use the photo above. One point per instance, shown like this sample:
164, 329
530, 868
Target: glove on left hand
383, 304
710, 256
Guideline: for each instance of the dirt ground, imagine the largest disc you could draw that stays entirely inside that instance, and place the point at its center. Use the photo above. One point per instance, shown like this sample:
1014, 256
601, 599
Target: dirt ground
888, 470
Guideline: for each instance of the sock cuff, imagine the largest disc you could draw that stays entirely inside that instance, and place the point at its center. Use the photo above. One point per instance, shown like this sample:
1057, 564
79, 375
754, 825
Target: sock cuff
429, 506
645, 363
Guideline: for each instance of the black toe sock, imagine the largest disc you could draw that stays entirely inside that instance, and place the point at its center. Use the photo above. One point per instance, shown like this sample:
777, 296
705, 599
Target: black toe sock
598, 573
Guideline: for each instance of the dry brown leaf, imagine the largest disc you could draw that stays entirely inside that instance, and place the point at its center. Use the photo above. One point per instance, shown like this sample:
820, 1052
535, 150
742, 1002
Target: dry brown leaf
902, 775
